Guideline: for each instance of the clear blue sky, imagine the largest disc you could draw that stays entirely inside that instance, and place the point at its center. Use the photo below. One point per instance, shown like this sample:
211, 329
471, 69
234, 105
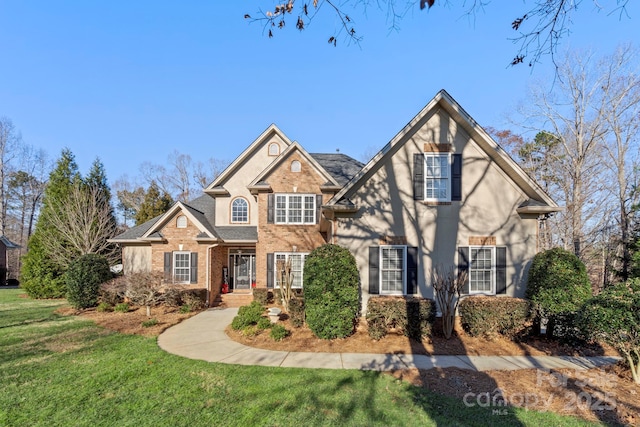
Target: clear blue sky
130, 81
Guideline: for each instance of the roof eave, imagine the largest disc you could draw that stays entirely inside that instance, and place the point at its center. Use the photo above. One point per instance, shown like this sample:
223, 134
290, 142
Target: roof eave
538, 209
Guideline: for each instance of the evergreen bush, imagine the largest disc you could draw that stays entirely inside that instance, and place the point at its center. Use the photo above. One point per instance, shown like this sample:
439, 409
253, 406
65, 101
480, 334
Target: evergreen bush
411, 316
248, 315
490, 316
83, 280
331, 292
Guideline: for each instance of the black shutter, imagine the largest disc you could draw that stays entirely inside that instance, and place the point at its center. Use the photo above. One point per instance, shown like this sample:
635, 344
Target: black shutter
168, 273
270, 208
501, 270
418, 176
318, 207
270, 265
463, 265
194, 267
374, 270
412, 270
456, 178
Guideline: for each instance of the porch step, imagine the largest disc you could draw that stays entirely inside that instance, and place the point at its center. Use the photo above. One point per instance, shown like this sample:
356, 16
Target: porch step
234, 299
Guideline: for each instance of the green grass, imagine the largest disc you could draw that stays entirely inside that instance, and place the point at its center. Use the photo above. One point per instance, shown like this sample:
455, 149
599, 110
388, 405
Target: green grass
65, 371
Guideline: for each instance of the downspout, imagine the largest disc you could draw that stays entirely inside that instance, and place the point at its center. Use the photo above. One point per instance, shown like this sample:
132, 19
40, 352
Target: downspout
209, 273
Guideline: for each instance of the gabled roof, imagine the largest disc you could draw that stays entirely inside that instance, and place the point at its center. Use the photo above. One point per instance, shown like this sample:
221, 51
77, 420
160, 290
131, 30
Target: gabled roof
540, 199
196, 216
260, 184
217, 185
8, 243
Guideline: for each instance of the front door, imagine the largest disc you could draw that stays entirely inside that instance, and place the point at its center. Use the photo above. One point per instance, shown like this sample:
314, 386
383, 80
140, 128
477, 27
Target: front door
243, 269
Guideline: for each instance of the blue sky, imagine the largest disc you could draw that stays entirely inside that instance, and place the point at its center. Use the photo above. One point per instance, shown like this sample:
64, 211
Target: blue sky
130, 82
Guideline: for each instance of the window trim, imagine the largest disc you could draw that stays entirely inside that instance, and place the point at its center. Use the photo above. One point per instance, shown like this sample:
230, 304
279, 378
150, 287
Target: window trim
179, 221
231, 218
273, 152
493, 270
175, 267
382, 269
304, 211
448, 178
276, 282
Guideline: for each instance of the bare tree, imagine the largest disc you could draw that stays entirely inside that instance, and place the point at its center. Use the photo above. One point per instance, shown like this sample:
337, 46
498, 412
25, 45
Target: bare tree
447, 285
130, 197
10, 139
205, 172
83, 221
539, 27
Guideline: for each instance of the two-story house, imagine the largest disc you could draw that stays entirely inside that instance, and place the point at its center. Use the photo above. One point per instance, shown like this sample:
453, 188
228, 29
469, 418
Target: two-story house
441, 193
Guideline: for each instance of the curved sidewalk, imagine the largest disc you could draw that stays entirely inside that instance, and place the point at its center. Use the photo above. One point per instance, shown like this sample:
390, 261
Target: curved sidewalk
202, 337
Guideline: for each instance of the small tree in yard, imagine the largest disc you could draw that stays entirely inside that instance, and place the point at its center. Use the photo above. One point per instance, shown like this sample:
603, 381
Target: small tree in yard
145, 289
286, 281
447, 285
613, 317
331, 290
83, 280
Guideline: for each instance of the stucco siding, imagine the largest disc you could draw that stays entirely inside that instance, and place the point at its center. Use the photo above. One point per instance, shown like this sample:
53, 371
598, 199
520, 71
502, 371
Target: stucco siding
136, 259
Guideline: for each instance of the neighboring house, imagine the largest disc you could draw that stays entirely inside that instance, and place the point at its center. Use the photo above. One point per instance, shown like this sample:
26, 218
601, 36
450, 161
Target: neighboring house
441, 193
5, 244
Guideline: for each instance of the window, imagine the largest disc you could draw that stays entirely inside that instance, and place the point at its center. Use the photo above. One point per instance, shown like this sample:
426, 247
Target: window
481, 270
296, 166
436, 175
295, 209
297, 267
182, 267
181, 221
392, 269
274, 149
239, 210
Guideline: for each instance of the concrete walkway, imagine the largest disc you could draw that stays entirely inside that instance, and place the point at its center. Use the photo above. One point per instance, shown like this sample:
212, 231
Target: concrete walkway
203, 337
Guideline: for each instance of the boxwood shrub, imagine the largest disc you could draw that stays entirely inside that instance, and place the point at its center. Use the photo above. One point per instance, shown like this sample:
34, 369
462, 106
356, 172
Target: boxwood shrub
412, 316
248, 315
331, 292
490, 316
296, 311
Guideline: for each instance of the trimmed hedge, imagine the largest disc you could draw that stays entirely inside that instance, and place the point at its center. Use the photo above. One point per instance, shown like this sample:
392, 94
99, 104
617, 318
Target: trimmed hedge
83, 280
263, 296
490, 316
248, 315
412, 316
296, 311
331, 291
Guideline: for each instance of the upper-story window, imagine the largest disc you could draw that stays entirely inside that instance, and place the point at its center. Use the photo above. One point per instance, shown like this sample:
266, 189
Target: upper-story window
274, 149
296, 166
181, 221
437, 177
295, 208
239, 210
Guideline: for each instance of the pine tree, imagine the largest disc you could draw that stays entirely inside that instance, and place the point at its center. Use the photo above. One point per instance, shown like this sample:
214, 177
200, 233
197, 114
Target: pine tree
154, 204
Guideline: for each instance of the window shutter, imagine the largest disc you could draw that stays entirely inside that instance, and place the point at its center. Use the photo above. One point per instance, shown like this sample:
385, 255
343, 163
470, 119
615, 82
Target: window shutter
194, 267
456, 178
463, 265
418, 176
318, 207
270, 208
374, 270
270, 265
412, 270
501, 270
168, 259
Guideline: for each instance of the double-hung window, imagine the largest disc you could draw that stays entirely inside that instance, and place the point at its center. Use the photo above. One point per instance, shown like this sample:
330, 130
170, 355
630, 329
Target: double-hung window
282, 260
437, 177
295, 209
482, 269
182, 267
392, 269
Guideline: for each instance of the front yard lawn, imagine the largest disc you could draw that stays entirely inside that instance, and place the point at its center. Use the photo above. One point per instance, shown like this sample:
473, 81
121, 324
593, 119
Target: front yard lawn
66, 371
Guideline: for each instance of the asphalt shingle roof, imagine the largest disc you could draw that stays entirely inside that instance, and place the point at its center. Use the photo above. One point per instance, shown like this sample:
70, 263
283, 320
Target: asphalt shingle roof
340, 166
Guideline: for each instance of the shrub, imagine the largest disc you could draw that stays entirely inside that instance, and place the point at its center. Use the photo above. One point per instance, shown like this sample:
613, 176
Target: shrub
83, 280
112, 292
331, 290
185, 309
613, 317
263, 296
40, 276
278, 332
149, 323
412, 316
103, 306
247, 315
558, 284
489, 316
250, 331
194, 298
145, 289
263, 323
123, 307
296, 311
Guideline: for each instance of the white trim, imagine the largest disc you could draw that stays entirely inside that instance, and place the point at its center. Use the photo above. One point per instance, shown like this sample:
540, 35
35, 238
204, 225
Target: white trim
404, 269
287, 255
231, 220
492, 291
174, 268
448, 177
181, 221
287, 208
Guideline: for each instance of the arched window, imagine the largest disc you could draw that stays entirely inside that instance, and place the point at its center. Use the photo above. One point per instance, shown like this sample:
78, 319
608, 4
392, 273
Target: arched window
239, 210
274, 149
181, 221
296, 166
